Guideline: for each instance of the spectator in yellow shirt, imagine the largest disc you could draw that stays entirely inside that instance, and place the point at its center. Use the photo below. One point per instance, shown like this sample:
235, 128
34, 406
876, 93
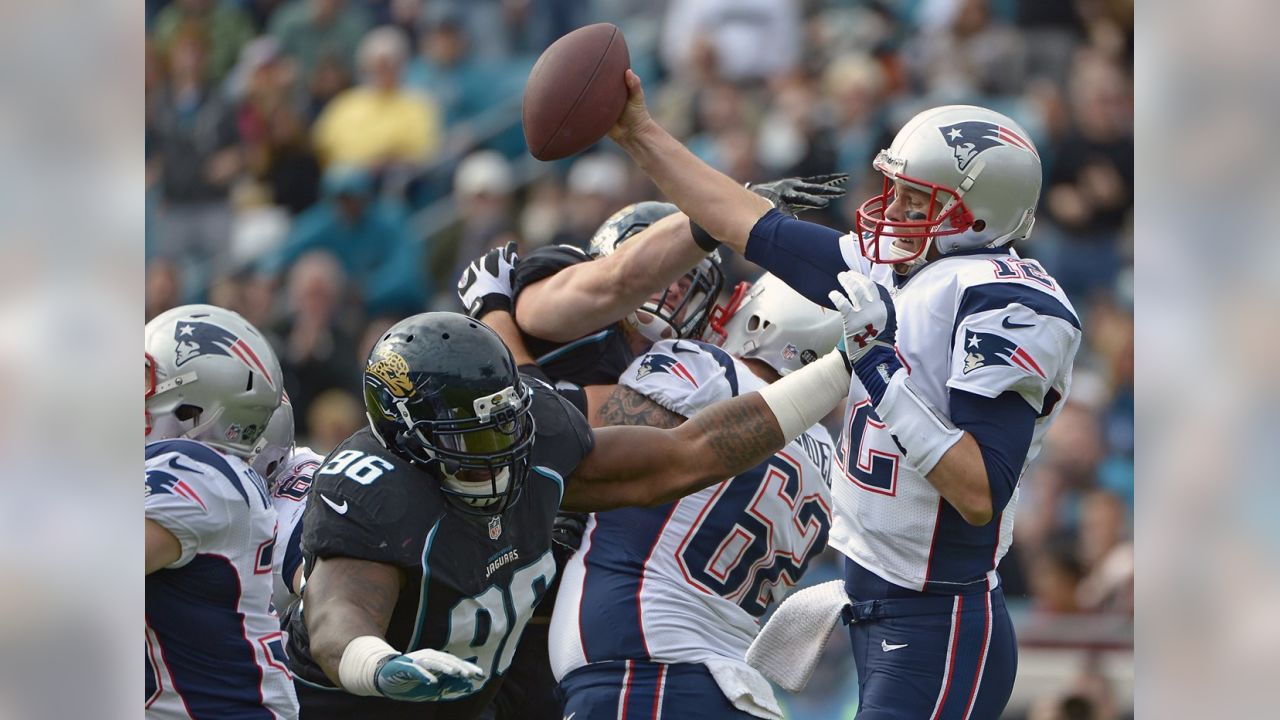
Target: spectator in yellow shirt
378, 124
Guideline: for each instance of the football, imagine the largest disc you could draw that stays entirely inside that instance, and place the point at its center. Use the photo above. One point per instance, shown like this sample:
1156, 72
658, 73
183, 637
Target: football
575, 92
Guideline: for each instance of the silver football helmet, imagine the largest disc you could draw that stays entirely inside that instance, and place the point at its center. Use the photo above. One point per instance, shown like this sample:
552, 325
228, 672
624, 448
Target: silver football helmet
982, 174
769, 321
681, 310
278, 442
210, 376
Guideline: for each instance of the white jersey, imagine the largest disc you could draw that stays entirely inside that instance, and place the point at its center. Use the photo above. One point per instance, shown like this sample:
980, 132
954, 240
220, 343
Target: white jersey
985, 322
214, 646
293, 484
687, 582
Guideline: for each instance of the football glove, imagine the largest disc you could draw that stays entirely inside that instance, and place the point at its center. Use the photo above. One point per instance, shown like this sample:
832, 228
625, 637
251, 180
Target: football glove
485, 285
795, 195
566, 533
870, 330
789, 195
426, 676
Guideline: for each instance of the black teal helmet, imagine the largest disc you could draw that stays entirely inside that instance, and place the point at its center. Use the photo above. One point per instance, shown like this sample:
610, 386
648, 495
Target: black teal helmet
443, 391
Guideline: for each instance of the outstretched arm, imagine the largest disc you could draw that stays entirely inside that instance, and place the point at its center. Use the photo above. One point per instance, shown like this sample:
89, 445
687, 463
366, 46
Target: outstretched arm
724, 208
588, 296
646, 466
804, 255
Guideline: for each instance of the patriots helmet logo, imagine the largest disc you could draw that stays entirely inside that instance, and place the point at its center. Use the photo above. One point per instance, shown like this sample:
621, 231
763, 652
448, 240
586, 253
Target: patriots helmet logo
195, 338
971, 138
991, 350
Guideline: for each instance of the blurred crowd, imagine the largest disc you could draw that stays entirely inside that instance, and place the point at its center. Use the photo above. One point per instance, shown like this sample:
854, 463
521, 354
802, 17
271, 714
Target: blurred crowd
325, 167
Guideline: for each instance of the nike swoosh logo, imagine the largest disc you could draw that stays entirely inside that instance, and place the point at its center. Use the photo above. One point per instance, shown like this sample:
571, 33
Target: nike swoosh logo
885, 646
1007, 323
570, 715
340, 509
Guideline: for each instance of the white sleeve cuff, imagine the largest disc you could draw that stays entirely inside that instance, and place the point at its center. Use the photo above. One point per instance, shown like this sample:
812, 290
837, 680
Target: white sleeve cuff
923, 432
358, 669
804, 397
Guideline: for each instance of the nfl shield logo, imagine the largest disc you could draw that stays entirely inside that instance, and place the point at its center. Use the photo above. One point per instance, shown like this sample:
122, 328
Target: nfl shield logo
495, 527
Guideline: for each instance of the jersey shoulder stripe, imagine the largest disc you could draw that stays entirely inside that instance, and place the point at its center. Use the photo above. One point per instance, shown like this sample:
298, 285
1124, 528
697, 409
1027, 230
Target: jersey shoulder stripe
722, 358
998, 295
205, 455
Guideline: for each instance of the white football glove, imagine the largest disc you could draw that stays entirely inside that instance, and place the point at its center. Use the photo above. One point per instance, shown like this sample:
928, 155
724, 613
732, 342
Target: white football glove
867, 312
485, 285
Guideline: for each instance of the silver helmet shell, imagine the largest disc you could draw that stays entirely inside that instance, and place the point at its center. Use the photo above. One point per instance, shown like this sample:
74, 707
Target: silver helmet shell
210, 376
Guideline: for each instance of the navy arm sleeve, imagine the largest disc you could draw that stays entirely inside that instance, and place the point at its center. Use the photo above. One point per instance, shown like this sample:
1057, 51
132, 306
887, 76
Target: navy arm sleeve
804, 255
1003, 426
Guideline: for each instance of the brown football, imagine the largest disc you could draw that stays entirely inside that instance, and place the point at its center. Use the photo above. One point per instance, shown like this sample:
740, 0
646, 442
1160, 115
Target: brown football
576, 91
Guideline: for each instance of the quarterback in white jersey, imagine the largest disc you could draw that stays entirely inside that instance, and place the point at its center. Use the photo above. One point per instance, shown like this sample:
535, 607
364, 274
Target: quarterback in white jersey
962, 354
659, 605
287, 469
213, 644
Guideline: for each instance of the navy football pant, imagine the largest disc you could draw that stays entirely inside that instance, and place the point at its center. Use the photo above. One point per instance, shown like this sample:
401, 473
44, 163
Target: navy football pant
935, 658
637, 690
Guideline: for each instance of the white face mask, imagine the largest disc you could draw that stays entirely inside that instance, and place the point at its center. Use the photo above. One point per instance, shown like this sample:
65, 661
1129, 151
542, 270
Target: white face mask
479, 493
652, 327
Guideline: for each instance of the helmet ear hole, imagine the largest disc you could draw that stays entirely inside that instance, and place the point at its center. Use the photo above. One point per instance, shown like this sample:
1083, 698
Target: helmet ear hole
753, 323
979, 225
186, 413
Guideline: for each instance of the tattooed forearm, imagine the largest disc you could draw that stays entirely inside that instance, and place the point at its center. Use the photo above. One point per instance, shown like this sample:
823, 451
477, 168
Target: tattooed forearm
628, 407
740, 433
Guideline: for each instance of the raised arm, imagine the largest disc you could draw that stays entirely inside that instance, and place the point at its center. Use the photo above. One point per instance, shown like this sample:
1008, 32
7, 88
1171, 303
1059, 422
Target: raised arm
805, 255
585, 297
724, 208
646, 466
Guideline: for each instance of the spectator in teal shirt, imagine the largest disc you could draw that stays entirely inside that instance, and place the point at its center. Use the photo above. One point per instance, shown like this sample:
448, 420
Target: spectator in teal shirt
371, 239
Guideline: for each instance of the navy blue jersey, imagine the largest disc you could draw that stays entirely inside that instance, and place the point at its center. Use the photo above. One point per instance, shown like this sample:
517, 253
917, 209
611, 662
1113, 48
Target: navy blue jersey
598, 357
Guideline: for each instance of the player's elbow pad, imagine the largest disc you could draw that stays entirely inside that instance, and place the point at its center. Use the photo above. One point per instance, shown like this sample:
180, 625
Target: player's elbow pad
923, 433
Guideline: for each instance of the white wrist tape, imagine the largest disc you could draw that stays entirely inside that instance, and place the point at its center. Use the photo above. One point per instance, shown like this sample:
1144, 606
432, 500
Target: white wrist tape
922, 431
358, 668
804, 397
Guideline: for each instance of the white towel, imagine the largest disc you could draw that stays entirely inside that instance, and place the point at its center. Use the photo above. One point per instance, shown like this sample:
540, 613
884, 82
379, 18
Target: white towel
788, 647
745, 688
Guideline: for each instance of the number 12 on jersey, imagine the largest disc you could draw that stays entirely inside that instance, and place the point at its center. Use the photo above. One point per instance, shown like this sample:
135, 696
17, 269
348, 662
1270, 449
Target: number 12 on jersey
867, 453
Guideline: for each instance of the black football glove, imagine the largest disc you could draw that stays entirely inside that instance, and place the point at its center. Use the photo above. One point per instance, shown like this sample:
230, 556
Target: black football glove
795, 195
566, 535
485, 284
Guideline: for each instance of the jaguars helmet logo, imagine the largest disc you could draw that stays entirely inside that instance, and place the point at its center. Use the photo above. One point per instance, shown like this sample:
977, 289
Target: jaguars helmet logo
393, 371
